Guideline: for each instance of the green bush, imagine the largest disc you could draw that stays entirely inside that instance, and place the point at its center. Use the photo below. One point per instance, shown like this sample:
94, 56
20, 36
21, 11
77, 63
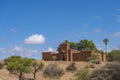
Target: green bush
113, 55
71, 67
96, 61
52, 71
90, 65
83, 74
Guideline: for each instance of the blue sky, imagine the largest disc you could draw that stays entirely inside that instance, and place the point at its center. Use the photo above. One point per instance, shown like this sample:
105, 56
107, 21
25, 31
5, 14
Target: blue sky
28, 27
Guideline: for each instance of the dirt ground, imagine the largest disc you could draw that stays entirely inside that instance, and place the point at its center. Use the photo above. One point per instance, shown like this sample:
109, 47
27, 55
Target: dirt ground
5, 75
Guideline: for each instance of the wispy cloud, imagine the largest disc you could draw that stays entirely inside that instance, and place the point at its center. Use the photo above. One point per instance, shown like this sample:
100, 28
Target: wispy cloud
97, 17
117, 34
117, 18
97, 30
84, 25
118, 46
18, 51
118, 9
4, 51
13, 30
2, 39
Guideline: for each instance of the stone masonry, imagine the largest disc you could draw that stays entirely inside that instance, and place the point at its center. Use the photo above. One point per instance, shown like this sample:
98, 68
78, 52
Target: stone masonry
65, 53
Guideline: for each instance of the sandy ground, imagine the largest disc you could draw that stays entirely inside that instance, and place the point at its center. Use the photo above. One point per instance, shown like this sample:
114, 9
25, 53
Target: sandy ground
5, 75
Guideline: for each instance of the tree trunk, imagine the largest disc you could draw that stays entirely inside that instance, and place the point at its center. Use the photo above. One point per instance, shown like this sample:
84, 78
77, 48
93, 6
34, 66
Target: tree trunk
34, 75
20, 76
105, 49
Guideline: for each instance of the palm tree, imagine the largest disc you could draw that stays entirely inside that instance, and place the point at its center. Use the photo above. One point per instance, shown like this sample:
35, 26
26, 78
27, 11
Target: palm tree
106, 42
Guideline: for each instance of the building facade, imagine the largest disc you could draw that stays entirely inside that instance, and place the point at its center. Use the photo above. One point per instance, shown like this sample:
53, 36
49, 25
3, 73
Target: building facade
65, 53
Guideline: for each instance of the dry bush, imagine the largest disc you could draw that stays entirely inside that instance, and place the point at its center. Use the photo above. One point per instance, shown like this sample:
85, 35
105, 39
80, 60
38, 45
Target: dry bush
110, 71
52, 71
71, 67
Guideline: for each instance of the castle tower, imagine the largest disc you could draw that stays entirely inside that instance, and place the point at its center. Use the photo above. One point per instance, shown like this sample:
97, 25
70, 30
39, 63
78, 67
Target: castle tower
64, 47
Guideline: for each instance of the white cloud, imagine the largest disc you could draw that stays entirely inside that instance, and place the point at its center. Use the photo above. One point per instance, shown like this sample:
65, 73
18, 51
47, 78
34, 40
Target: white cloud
51, 49
117, 34
35, 39
97, 31
13, 30
19, 51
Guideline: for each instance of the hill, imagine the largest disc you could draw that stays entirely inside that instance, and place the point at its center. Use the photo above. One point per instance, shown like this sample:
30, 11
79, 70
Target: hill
5, 75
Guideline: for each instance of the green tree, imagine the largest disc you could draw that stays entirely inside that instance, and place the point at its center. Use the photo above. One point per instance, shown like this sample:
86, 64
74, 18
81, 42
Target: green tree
114, 55
18, 65
37, 66
86, 45
73, 45
82, 45
105, 42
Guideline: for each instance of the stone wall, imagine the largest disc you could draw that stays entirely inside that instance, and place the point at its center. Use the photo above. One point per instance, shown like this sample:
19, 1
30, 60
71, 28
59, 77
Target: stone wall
46, 56
65, 53
82, 56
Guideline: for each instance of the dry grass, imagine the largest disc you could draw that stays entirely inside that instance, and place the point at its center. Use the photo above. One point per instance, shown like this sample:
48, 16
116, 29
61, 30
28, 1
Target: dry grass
5, 75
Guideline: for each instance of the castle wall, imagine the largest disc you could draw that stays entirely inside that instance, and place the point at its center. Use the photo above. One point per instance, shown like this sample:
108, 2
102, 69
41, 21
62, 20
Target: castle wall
61, 57
47, 56
81, 56
67, 54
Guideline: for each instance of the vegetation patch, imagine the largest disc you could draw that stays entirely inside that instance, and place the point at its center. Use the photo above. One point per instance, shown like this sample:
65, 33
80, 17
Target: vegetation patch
94, 59
71, 67
53, 72
83, 74
110, 71
113, 55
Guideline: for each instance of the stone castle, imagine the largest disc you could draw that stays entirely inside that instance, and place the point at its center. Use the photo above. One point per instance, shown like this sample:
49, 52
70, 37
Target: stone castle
65, 53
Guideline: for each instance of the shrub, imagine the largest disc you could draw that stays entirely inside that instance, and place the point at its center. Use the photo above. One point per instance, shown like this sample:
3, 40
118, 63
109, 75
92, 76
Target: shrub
92, 66
52, 71
95, 61
54, 58
83, 74
110, 71
71, 67
1, 65
113, 55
